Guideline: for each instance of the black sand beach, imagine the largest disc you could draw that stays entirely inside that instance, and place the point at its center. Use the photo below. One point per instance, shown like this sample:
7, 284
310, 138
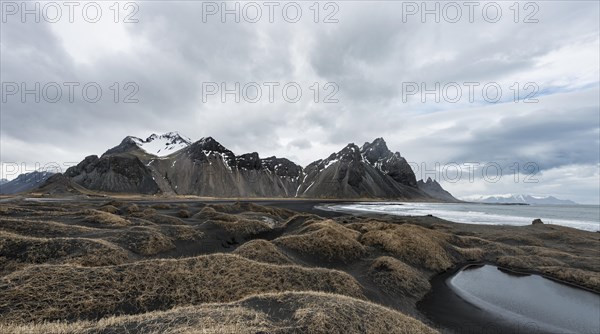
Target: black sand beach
149, 247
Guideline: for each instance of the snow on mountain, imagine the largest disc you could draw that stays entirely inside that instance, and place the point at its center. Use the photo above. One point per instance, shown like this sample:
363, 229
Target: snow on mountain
163, 145
517, 199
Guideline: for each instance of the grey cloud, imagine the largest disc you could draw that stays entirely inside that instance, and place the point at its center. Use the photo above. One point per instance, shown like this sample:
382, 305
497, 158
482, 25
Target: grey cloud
369, 53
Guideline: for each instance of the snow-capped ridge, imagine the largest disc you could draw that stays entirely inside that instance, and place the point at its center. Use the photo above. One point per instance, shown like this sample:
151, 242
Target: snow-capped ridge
162, 145
517, 199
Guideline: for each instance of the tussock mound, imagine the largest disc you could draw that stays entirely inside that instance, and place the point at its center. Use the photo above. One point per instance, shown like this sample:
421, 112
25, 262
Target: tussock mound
397, 278
162, 219
184, 213
209, 213
17, 251
143, 240
6, 209
470, 254
109, 208
178, 232
553, 268
65, 292
239, 225
104, 219
262, 251
585, 278
42, 228
161, 206
326, 240
244, 227
468, 245
412, 244
288, 312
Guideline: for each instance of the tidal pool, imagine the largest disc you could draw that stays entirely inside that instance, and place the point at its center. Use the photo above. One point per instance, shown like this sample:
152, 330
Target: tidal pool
486, 299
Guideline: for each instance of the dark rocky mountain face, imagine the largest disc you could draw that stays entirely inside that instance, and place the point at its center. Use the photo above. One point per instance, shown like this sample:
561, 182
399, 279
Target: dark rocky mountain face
282, 167
127, 145
59, 184
435, 190
357, 173
25, 182
392, 164
119, 172
204, 168
207, 168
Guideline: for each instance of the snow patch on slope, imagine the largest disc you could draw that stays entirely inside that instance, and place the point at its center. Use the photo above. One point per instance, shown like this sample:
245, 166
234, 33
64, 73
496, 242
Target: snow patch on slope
163, 145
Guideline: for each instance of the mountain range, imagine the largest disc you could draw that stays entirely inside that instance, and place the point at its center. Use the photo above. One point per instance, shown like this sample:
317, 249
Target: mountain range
518, 199
24, 182
171, 164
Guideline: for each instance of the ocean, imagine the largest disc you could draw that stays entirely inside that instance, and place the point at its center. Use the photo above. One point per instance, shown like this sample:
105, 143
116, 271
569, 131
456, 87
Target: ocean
583, 217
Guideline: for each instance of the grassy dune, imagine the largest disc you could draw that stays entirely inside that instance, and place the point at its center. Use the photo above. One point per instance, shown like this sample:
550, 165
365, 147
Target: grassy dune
55, 292
104, 267
287, 312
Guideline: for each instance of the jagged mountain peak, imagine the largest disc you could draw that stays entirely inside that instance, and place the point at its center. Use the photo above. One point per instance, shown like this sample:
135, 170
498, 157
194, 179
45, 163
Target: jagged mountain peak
349, 153
375, 151
210, 144
281, 166
248, 161
376, 143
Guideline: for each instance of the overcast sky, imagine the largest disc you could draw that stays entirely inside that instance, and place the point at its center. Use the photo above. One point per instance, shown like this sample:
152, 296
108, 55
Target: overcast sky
376, 56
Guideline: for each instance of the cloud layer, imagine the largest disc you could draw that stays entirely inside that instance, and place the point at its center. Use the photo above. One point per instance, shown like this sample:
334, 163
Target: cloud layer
370, 55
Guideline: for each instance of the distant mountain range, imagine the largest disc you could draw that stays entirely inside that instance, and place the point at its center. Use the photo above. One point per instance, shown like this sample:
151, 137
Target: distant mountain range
517, 199
24, 182
172, 164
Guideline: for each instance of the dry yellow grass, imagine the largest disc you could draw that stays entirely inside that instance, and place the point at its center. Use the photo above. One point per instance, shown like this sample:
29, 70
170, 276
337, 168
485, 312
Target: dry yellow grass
143, 240
470, 254
262, 251
243, 227
104, 219
240, 207
585, 278
398, 278
161, 206
57, 265
109, 208
288, 312
42, 228
412, 244
184, 213
17, 251
53, 292
162, 219
180, 232
326, 240
553, 268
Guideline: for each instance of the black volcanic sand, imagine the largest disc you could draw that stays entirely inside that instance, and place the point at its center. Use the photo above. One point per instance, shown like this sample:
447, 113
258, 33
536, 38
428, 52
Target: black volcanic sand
257, 248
